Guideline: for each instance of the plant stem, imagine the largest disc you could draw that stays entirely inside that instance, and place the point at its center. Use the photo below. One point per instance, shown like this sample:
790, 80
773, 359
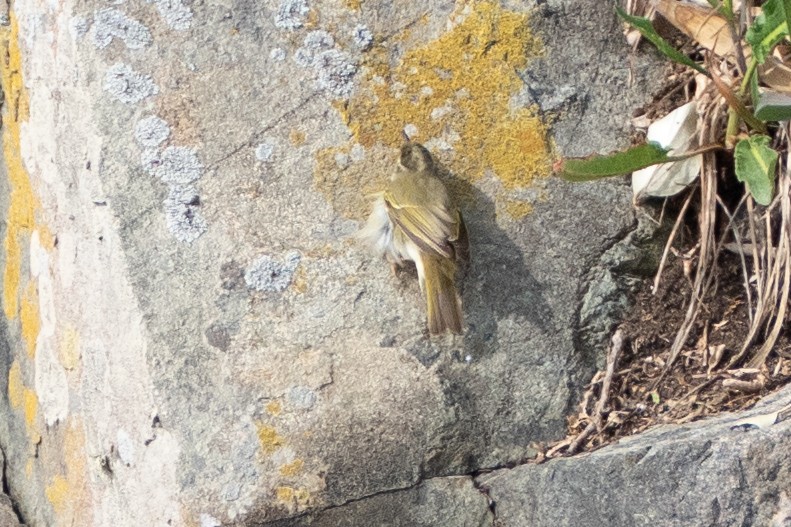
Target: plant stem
733, 117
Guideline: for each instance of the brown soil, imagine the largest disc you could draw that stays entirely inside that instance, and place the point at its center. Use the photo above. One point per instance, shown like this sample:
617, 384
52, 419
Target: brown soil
698, 384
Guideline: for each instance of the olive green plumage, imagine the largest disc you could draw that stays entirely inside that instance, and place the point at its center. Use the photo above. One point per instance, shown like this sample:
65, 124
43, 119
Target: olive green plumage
414, 219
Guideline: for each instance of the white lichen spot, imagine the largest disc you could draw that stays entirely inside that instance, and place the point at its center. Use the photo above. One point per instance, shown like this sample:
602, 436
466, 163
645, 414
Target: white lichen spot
357, 153
468, 359
315, 42
111, 23
175, 14
269, 274
150, 160
336, 73
342, 160
278, 54
411, 130
362, 37
182, 214
151, 131
426, 91
265, 151
179, 165
440, 112
78, 27
127, 85
291, 14
319, 39
207, 520
125, 448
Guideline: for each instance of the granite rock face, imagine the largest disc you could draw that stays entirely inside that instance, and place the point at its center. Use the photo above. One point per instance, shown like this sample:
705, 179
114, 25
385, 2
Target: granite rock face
192, 337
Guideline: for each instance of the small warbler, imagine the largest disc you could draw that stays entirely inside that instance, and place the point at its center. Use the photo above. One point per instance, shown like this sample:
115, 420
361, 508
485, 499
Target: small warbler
414, 219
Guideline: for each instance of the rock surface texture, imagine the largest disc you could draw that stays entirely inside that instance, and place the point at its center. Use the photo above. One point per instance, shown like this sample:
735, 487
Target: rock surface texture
191, 336
728, 470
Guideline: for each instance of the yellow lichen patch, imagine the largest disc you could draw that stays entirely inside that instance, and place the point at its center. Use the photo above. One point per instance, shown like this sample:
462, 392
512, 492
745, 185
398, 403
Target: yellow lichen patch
454, 94
284, 494
274, 408
57, 493
300, 281
293, 468
269, 438
69, 349
30, 408
15, 386
29, 318
46, 239
347, 189
518, 209
291, 496
297, 137
354, 5
76, 474
20, 396
21, 203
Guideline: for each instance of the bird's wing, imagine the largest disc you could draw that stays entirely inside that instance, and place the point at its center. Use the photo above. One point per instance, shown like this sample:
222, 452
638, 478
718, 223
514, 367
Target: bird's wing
429, 227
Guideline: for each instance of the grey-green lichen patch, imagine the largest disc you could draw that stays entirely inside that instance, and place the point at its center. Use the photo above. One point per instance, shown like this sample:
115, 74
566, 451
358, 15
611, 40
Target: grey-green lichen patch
149, 160
362, 37
335, 69
127, 85
336, 72
315, 42
291, 14
179, 165
111, 23
207, 520
302, 397
175, 14
265, 151
78, 27
182, 214
278, 54
151, 131
271, 274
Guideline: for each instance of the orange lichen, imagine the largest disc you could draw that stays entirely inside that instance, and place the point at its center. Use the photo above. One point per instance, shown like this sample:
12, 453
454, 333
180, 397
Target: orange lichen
22, 203
518, 209
69, 349
274, 407
15, 385
29, 319
292, 496
269, 438
20, 396
293, 468
57, 493
454, 94
297, 137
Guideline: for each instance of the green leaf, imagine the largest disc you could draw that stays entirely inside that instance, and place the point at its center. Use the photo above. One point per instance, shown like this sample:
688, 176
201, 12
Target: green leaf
655, 397
616, 164
769, 28
755, 167
773, 106
643, 25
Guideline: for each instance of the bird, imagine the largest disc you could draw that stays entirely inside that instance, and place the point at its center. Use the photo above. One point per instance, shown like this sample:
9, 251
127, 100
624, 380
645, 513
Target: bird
415, 220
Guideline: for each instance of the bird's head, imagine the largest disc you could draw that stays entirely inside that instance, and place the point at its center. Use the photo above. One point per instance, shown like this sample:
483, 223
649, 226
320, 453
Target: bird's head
415, 158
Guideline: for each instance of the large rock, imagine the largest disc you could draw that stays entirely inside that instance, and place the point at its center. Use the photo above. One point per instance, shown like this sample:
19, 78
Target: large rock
728, 470
191, 335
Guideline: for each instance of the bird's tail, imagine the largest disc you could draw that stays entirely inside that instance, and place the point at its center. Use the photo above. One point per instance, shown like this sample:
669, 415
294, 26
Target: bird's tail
443, 305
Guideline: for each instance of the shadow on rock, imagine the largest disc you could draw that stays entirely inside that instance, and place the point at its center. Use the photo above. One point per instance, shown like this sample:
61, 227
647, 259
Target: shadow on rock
496, 283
